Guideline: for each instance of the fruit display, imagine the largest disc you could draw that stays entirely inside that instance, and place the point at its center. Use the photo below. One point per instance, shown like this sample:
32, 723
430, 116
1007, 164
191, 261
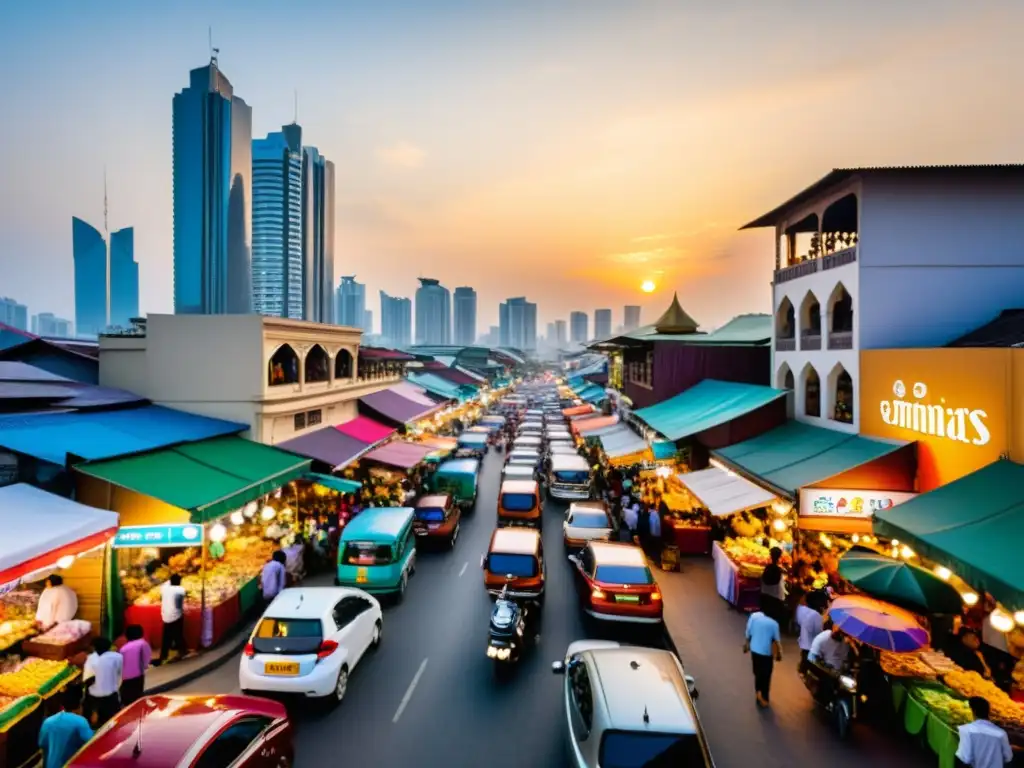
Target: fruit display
65, 633
950, 709
1005, 711
905, 665
13, 631
19, 604
22, 678
14, 708
746, 526
938, 661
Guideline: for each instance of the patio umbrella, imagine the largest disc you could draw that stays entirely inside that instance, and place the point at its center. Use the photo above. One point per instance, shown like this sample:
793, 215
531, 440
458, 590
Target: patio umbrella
880, 625
899, 583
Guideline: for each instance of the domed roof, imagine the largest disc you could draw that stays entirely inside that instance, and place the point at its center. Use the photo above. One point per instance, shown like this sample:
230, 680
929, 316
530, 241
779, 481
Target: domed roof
675, 319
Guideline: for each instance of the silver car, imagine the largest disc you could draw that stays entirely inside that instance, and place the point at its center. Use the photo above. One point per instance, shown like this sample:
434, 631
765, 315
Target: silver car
628, 707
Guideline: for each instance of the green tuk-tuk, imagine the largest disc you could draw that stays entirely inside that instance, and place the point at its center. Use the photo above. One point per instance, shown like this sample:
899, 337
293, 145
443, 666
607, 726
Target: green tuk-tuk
459, 478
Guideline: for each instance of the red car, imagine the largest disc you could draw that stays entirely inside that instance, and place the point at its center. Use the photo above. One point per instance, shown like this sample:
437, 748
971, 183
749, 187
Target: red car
192, 732
616, 584
437, 519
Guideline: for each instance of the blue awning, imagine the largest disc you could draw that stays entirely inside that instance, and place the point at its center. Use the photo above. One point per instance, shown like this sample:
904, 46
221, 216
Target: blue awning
706, 405
107, 434
663, 449
436, 385
592, 394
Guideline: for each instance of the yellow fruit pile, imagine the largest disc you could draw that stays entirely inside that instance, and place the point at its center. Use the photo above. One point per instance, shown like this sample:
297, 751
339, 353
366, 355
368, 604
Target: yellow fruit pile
1004, 709
905, 665
949, 709
30, 676
15, 631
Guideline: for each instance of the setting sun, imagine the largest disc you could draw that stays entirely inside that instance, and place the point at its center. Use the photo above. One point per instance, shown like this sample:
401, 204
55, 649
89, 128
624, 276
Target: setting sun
648, 286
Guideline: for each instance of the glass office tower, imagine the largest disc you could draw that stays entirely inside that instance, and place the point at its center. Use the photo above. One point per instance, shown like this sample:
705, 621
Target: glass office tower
89, 250
124, 278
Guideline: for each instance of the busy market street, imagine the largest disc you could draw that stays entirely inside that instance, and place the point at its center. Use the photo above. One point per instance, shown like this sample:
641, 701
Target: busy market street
430, 695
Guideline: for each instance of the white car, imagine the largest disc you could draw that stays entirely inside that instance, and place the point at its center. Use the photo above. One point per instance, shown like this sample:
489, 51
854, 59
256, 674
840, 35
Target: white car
586, 521
309, 640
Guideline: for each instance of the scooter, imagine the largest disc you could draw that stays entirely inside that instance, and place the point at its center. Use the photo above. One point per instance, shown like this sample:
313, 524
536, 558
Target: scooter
835, 692
509, 633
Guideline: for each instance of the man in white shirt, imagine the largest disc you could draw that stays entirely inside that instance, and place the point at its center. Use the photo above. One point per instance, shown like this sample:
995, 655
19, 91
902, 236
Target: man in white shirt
810, 622
983, 744
102, 675
57, 603
172, 611
829, 648
630, 519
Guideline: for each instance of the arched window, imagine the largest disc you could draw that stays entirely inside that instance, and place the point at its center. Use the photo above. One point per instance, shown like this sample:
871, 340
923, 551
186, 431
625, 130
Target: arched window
840, 328
841, 384
343, 365
316, 365
810, 316
784, 378
785, 320
283, 367
812, 392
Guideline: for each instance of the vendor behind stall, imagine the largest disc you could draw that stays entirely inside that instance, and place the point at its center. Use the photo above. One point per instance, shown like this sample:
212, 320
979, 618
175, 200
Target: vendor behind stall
57, 603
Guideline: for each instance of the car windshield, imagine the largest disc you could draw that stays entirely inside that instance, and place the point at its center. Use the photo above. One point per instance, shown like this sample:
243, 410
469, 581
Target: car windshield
624, 574
620, 749
518, 502
430, 514
588, 519
575, 476
515, 565
289, 636
366, 553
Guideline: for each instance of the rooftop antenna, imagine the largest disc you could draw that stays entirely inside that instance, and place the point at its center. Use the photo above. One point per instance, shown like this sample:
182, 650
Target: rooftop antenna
296, 120
213, 51
106, 228
647, 717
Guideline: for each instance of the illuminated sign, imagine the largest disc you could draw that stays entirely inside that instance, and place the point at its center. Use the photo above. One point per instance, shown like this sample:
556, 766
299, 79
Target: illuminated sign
158, 536
937, 419
828, 502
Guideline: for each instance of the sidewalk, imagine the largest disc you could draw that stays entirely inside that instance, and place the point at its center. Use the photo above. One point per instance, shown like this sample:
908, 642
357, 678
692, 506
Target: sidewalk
708, 635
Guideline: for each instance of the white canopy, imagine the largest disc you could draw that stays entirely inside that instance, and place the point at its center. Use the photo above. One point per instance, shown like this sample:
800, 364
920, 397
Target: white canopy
725, 493
37, 528
622, 442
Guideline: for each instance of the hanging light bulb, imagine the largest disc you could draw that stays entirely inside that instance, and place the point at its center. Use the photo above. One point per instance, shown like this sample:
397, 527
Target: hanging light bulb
66, 562
906, 552
969, 598
1001, 621
268, 513
895, 542
237, 518
778, 524
218, 532
855, 538
943, 572
286, 511
1018, 618
250, 509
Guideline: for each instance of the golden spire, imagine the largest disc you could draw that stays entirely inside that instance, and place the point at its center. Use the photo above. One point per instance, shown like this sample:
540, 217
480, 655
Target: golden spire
675, 319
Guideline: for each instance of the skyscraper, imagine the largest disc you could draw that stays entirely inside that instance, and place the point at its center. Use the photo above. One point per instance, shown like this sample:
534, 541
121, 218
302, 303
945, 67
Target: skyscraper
211, 171
578, 327
367, 325
124, 278
350, 303
48, 324
518, 324
465, 316
602, 323
395, 321
89, 251
631, 318
560, 335
13, 314
277, 224
549, 337
433, 313
318, 237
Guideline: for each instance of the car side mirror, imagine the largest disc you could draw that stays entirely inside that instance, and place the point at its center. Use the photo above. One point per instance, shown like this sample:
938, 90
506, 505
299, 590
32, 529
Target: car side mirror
483, 561
691, 686
558, 667
574, 559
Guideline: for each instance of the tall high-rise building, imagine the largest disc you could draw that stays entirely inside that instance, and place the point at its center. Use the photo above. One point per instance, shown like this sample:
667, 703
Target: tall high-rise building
13, 313
89, 250
211, 173
464, 301
433, 313
395, 321
318, 237
631, 318
518, 324
277, 224
602, 323
367, 325
350, 303
578, 327
560, 335
48, 324
549, 336
124, 279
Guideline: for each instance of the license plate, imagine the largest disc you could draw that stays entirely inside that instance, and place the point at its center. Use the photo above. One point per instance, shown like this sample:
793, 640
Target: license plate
421, 533
627, 598
281, 668
361, 576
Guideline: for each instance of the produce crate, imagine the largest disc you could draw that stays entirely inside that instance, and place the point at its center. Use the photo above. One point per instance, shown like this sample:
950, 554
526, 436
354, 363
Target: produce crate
249, 595
56, 652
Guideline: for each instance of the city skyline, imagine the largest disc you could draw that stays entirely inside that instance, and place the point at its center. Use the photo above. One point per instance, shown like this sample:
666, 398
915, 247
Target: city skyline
413, 195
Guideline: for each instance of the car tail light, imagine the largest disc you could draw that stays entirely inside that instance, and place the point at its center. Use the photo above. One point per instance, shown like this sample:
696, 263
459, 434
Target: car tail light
327, 647
656, 596
597, 594
249, 650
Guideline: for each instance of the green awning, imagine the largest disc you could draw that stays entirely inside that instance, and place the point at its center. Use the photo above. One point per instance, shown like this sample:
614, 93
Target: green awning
898, 582
663, 449
973, 526
592, 394
208, 479
339, 484
796, 455
435, 385
708, 404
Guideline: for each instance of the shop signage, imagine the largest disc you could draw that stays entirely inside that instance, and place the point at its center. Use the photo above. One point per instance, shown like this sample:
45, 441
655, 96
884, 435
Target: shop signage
829, 502
158, 536
934, 416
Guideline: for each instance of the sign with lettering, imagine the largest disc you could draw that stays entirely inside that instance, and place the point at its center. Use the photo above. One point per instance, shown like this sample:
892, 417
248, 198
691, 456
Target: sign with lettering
829, 502
187, 535
916, 411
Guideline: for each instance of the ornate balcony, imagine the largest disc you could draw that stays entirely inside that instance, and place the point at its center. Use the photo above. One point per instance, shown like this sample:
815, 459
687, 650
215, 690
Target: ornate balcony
840, 340
785, 345
810, 341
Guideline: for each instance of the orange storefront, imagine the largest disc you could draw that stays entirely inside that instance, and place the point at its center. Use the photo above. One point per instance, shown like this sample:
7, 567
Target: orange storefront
964, 407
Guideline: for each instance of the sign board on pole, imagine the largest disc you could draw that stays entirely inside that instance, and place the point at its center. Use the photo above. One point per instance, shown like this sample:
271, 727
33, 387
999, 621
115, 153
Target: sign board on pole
187, 535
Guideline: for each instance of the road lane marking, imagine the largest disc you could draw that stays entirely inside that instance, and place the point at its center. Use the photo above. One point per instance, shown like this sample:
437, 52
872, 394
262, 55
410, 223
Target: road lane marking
464, 567
408, 693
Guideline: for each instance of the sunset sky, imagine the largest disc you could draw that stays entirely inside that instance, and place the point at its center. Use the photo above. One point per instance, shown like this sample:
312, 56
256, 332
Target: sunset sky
563, 151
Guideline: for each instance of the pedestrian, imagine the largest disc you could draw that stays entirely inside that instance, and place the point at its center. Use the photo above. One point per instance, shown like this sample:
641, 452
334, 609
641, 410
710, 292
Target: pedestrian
172, 612
983, 744
630, 519
773, 587
65, 732
654, 525
809, 621
57, 603
102, 674
136, 655
643, 525
273, 577
764, 644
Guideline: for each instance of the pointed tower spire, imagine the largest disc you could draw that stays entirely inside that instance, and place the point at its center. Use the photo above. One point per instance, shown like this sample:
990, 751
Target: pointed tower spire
295, 121
675, 319
106, 228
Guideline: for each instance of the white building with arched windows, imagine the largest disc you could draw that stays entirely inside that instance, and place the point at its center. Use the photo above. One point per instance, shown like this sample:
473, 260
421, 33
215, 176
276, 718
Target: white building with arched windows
877, 258
280, 376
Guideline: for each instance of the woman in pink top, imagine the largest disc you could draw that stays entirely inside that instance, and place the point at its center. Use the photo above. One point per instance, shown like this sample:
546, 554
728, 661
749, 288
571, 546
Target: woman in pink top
137, 655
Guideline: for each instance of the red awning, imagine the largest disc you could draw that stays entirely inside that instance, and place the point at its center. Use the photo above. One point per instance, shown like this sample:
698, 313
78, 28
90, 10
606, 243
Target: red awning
379, 353
366, 430
400, 454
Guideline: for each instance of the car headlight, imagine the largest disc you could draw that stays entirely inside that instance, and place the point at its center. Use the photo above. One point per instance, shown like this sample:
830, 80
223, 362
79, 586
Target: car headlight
848, 682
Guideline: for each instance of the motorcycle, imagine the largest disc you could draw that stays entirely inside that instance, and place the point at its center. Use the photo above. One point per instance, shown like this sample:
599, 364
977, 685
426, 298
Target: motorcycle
509, 631
835, 692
